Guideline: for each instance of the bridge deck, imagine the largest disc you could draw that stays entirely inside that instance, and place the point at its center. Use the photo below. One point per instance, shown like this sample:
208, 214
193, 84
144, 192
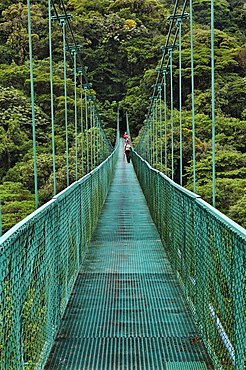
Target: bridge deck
127, 310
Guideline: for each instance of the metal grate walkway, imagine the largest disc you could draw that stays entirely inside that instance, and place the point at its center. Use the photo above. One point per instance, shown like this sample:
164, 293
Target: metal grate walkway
127, 310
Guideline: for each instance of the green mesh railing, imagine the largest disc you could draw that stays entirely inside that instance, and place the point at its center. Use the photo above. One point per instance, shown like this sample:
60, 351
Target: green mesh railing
208, 252
40, 259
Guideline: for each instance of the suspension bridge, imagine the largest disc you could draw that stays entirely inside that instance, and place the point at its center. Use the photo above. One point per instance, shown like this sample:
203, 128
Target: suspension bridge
125, 268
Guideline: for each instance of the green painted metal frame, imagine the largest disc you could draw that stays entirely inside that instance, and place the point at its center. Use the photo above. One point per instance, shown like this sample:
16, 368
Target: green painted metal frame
208, 252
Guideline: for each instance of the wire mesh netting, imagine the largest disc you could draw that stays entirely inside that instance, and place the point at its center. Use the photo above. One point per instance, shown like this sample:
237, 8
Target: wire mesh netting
40, 258
208, 252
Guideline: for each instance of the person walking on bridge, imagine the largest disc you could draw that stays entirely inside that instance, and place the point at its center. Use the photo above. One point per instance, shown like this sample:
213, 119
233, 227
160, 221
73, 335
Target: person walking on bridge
126, 136
127, 150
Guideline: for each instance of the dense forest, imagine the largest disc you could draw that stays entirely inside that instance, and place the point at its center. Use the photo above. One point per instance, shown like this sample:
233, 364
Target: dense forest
121, 43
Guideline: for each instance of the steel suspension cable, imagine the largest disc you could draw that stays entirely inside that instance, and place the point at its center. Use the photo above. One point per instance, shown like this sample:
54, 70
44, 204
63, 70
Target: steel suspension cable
75, 114
32, 103
52, 101
86, 129
80, 72
193, 99
62, 5
83, 69
165, 47
179, 18
91, 122
1, 229
165, 116
156, 132
152, 135
150, 139
118, 119
93, 135
98, 136
127, 124
169, 49
63, 24
213, 107
160, 123
179, 24
147, 140
171, 108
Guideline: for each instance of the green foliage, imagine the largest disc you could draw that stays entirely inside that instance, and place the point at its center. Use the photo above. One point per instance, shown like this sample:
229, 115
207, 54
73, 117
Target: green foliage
226, 60
13, 75
141, 7
228, 193
107, 113
118, 46
23, 171
111, 134
82, 6
13, 143
229, 164
227, 128
5, 4
230, 177
225, 14
16, 27
17, 203
16, 128
238, 211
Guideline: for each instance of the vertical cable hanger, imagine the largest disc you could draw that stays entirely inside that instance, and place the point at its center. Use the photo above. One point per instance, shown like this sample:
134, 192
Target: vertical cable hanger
179, 18
32, 103
52, 101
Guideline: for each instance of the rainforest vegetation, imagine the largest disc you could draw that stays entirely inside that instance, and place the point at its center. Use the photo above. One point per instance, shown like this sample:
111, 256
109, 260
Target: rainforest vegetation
121, 43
